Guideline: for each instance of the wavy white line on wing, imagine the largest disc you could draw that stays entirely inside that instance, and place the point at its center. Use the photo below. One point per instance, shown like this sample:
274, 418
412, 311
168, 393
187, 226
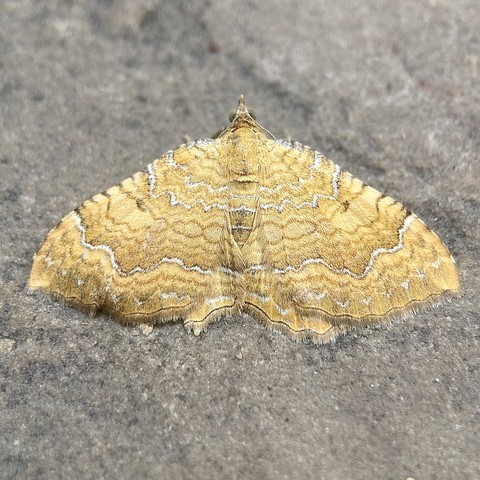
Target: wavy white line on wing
111, 254
321, 261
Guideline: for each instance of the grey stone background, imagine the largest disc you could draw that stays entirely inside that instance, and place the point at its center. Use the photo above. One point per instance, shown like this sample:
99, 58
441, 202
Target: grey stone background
92, 91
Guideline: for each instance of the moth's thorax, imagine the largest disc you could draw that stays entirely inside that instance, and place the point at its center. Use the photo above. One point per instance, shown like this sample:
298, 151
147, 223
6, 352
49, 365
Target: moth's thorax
243, 155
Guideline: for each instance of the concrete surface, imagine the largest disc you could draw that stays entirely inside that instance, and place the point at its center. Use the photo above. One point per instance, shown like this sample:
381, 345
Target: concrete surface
92, 91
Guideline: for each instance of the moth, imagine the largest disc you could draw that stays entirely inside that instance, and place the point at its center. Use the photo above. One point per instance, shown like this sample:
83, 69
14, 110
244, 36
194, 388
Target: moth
245, 223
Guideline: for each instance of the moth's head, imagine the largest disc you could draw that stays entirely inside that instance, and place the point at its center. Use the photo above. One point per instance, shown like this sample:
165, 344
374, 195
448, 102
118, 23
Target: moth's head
242, 111
242, 117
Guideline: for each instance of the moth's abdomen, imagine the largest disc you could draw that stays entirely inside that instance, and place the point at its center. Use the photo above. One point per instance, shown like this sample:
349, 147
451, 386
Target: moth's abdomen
243, 209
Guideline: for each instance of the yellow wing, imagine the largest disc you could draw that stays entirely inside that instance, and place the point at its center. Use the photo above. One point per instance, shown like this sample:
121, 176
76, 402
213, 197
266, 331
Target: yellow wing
330, 252
246, 222
154, 247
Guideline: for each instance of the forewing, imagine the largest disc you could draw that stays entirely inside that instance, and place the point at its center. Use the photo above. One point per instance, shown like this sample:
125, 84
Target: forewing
148, 248
330, 248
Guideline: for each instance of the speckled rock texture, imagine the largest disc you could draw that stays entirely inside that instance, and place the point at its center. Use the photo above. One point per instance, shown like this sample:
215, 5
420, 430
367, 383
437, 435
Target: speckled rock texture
92, 91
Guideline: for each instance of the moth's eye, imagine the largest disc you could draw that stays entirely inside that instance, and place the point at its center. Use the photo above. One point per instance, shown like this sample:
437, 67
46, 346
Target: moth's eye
253, 114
